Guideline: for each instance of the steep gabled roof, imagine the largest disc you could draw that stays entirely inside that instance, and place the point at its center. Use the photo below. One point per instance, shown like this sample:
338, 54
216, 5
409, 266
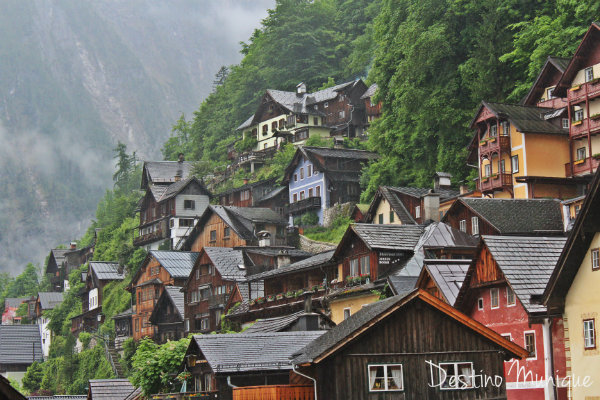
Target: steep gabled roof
587, 224
445, 194
178, 264
57, 256
386, 192
316, 261
173, 295
14, 302
276, 324
20, 344
163, 172
359, 323
558, 64
49, 300
109, 389
244, 352
175, 188
370, 91
527, 119
516, 216
384, 237
448, 276
227, 261
442, 235
106, 271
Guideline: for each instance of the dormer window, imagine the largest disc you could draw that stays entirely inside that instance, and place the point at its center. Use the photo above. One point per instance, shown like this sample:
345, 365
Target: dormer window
589, 74
565, 123
505, 128
189, 205
550, 94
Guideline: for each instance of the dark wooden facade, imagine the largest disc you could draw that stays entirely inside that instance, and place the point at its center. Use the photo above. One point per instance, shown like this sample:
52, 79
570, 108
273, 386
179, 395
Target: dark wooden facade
459, 212
215, 223
412, 337
169, 323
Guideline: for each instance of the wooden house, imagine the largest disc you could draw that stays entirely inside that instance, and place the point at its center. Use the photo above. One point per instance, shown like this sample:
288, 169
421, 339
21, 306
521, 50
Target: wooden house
506, 216
572, 292
319, 177
8, 392
11, 305
210, 285
441, 241
542, 92
123, 327
224, 226
502, 290
169, 315
98, 275
159, 269
579, 85
266, 193
168, 212
358, 212
372, 107
395, 349
20, 346
37, 305
443, 278
248, 365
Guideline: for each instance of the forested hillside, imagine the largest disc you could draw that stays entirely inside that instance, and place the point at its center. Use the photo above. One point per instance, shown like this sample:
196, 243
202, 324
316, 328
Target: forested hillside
434, 61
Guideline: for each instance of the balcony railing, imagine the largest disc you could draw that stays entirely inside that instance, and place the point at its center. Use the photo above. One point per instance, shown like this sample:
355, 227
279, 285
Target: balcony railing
305, 204
150, 237
495, 182
500, 143
585, 90
217, 300
581, 167
186, 396
274, 392
254, 156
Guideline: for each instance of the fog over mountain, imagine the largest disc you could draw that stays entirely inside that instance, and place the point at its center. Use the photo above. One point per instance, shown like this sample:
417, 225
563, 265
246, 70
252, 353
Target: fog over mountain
76, 77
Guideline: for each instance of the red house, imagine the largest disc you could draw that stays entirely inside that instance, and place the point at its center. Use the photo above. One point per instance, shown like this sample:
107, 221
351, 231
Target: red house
502, 290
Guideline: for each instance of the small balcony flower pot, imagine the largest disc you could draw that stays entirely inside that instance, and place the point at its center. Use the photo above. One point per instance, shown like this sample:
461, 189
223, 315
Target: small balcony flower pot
595, 116
492, 139
577, 162
289, 295
596, 156
279, 296
483, 142
575, 123
575, 88
260, 300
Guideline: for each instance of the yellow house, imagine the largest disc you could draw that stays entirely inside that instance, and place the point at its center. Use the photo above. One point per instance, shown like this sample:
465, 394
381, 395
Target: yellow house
573, 292
521, 152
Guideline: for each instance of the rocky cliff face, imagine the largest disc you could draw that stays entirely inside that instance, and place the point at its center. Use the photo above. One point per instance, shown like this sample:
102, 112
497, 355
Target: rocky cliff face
76, 76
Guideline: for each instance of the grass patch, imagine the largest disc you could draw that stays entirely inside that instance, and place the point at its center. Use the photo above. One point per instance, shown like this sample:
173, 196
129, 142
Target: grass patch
332, 234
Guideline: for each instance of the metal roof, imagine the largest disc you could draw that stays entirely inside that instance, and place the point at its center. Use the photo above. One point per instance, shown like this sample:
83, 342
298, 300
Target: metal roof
14, 302
370, 91
527, 263
49, 300
106, 271
442, 235
231, 353
58, 397
110, 389
227, 261
20, 344
165, 171
402, 284
178, 264
276, 324
177, 298
302, 265
448, 276
445, 194
389, 237
527, 119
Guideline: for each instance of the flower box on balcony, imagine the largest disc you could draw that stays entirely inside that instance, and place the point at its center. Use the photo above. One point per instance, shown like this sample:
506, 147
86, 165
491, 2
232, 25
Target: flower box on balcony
596, 156
594, 81
575, 88
575, 123
494, 176
271, 298
289, 295
260, 300
483, 142
595, 116
279, 296
492, 139
577, 162
485, 179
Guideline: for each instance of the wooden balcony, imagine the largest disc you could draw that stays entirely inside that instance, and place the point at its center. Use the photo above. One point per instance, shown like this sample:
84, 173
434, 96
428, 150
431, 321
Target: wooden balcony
217, 300
273, 301
588, 90
495, 182
150, 237
304, 205
581, 167
500, 143
186, 396
274, 392
256, 156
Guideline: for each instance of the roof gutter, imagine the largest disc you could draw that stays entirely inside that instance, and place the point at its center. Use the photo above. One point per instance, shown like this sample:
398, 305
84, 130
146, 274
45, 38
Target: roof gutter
308, 377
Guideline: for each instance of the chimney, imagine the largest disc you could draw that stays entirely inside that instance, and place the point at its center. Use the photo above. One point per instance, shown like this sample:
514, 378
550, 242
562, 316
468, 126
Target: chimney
431, 206
73, 245
301, 88
264, 238
246, 180
464, 189
308, 301
181, 157
442, 180
283, 258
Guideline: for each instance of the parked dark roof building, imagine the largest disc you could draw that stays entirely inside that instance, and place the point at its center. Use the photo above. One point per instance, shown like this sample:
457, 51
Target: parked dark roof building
527, 119
387, 237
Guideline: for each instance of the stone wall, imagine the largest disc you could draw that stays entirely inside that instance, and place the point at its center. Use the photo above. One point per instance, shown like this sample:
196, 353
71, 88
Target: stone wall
312, 246
331, 213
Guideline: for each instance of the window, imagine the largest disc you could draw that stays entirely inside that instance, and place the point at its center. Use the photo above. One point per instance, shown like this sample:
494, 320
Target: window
474, 226
549, 93
342, 114
281, 123
510, 297
316, 121
154, 270
213, 236
595, 253
301, 173
346, 313
381, 218
137, 325
326, 104
581, 153
480, 303
309, 170
245, 195
565, 123
274, 126
302, 195
295, 197
189, 205
589, 333
463, 225
505, 128
494, 298
493, 130
578, 115
418, 212
318, 191
186, 222
204, 293
310, 192
226, 232
589, 74
487, 170
187, 325
265, 145
385, 378
301, 135
205, 324
514, 163
530, 343
501, 166
365, 268
295, 177
265, 129
198, 273
391, 217
507, 336
354, 267
453, 376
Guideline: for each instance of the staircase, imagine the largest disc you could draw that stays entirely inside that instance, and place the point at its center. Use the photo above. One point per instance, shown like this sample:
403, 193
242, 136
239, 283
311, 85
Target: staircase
113, 358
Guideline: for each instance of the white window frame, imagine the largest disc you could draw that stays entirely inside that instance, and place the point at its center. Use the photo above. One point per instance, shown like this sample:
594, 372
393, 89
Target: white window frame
578, 115
565, 123
487, 170
494, 293
463, 225
191, 204
581, 152
506, 336
505, 128
385, 377
326, 104
418, 212
347, 310
514, 297
493, 130
589, 334
514, 163
480, 304
354, 263
595, 258
457, 374
525, 333
589, 74
475, 225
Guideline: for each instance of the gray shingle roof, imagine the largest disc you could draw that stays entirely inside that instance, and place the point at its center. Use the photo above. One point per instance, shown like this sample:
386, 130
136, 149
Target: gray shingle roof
442, 235
327, 152
402, 284
370, 91
20, 344
448, 275
177, 298
125, 314
514, 216
178, 264
302, 265
445, 194
390, 196
14, 302
227, 261
106, 271
527, 263
527, 119
110, 389
257, 214
275, 251
174, 188
49, 300
230, 353
276, 324
165, 171
158, 191
389, 237
58, 397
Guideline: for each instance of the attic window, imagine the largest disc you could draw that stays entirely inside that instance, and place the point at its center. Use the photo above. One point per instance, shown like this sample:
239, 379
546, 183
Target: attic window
595, 259
589, 74
385, 378
550, 93
189, 205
